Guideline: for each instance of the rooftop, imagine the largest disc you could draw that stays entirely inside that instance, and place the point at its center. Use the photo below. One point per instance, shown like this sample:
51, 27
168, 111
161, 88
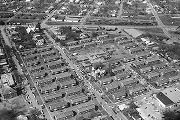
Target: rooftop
164, 99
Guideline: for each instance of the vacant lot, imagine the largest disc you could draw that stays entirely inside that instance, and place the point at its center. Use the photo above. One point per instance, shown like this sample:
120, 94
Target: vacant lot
151, 30
167, 20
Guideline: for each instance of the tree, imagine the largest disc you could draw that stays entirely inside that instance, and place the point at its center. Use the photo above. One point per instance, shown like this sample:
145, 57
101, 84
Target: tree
2, 22
6, 114
94, 34
171, 115
34, 113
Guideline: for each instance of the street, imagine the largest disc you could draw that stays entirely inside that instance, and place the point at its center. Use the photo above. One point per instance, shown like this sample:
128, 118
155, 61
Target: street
100, 100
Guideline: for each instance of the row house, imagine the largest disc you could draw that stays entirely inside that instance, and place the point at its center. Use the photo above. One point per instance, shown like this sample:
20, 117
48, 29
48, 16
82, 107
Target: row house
120, 94
74, 91
79, 99
55, 106
106, 81
75, 47
65, 115
87, 109
54, 97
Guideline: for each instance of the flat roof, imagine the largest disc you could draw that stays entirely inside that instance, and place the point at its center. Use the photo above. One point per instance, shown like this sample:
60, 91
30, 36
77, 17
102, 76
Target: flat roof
173, 94
164, 99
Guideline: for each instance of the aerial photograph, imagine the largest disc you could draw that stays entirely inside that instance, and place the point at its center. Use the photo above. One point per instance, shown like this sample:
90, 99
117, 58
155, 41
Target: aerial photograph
89, 59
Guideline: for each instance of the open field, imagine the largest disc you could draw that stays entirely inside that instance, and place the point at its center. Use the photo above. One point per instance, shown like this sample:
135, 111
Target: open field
167, 20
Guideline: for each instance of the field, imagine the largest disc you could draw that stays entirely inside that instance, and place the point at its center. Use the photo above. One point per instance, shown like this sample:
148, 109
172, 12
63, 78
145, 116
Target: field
167, 20
151, 30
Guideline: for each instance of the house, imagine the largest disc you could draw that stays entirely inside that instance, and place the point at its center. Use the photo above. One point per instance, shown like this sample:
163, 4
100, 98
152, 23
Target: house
86, 109
72, 43
143, 55
75, 47
58, 18
136, 89
125, 42
62, 37
65, 115
81, 58
67, 19
79, 99
90, 44
68, 83
63, 76
60, 105
146, 69
52, 97
74, 91
3, 62
120, 94
153, 74
118, 70
123, 76
86, 40
106, 81
111, 88
1, 52
86, 64
137, 50
128, 58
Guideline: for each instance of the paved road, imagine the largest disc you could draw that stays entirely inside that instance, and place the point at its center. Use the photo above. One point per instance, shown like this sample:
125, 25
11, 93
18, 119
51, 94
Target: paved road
120, 9
161, 25
106, 107
38, 92
34, 102
43, 24
83, 20
29, 91
114, 26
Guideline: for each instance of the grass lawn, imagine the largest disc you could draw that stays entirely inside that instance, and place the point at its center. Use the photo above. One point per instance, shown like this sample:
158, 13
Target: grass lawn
167, 20
62, 23
151, 30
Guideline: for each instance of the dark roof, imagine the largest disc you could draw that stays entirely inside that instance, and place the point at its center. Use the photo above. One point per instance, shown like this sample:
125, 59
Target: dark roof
164, 99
